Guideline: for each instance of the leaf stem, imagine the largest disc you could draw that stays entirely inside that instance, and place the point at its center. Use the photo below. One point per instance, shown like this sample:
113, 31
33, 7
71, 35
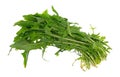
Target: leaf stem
80, 42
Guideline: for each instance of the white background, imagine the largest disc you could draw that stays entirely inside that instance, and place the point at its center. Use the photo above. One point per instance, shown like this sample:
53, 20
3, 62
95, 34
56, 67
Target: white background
102, 14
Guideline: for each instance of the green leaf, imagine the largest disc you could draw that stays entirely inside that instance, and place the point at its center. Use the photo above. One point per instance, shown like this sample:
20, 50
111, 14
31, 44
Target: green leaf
25, 56
53, 9
30, 17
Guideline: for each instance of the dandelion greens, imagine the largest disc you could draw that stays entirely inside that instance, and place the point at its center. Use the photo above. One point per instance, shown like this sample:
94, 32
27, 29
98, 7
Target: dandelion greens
38, 31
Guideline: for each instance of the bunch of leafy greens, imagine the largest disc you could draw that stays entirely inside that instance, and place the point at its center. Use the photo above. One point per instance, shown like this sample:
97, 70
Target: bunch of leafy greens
38, 31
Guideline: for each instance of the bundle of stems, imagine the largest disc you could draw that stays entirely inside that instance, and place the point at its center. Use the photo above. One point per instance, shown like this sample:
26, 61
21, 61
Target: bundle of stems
38, 31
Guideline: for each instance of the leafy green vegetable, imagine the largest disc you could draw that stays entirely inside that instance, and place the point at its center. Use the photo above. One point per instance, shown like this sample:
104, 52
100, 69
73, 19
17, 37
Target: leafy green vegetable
38, 31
